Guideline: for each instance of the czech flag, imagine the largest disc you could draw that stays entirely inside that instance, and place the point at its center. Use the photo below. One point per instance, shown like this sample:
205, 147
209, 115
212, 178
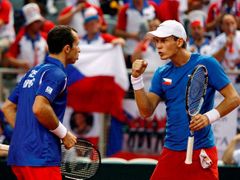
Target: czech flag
97, 82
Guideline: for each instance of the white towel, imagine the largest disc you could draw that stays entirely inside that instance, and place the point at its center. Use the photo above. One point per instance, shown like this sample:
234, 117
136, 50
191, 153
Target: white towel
205, 161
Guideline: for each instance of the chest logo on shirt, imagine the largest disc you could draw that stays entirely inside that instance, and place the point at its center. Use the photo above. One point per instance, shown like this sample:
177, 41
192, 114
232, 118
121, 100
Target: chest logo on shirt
49, 90
167, 81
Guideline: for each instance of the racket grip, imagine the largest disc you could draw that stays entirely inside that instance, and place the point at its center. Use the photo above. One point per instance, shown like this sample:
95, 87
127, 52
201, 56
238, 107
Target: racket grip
189, 153
4, 147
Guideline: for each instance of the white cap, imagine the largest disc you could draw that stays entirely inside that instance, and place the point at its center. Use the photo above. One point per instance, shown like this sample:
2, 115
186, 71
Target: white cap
32, 13
170, 28
197, 17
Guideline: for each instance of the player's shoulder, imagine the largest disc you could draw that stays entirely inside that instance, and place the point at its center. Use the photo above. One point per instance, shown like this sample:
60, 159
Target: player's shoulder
198, 58
207, 60
53, 72
164, 68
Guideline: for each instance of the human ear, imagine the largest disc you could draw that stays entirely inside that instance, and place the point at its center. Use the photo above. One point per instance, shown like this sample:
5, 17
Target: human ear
67, 49
180, 42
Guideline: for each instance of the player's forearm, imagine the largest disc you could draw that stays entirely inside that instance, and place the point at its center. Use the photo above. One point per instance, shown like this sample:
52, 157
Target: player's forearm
210, 26
136, 55
230, 102
13, 62
65, 19
9, 110
145, 106
125, 35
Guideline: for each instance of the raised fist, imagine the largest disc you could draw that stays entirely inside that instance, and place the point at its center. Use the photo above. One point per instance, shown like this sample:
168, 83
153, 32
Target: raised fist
138, 67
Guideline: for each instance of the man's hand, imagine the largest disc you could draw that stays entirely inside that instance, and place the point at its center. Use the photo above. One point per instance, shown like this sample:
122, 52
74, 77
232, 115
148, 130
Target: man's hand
24, 64
138, 67
118, 41
198, 122
69, 140
79, 7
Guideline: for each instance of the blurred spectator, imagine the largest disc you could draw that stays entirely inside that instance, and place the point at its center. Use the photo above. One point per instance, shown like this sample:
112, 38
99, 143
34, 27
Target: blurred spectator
195, 11
225, 47
74, 16
217, 10
198, 5
30, 47
81, 123
132, 24
7, 33
147, 50
92, 26
47, 4
231, 154
47, 24
198, 42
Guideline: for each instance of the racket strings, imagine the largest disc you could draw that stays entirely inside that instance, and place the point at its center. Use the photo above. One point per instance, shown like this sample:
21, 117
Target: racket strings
196, 91
82, 161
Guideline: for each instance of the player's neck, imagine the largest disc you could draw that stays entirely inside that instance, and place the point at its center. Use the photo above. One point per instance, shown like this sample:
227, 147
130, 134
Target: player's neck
181, 57
59, 57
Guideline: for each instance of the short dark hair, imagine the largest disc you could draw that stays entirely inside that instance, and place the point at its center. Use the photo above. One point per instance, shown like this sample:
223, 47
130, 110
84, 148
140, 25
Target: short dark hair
59, 37
184, 46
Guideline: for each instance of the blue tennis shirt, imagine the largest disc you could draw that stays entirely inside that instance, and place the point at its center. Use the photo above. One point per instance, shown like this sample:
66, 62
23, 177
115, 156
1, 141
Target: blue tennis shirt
32, 144
169, 83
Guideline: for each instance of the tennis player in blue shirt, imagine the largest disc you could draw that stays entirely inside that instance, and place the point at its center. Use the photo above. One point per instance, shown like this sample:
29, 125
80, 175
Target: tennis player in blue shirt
169, 84
36, 108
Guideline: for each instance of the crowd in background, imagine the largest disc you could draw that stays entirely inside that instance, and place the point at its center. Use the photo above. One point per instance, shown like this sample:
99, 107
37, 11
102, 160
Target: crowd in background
212, 27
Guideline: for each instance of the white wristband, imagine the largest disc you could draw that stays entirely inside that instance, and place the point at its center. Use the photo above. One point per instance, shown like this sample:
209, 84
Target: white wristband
212, 115
60, 131
137, 83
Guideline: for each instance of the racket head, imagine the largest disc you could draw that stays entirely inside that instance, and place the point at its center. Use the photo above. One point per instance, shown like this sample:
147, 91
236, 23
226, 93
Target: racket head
81, 161
196, 90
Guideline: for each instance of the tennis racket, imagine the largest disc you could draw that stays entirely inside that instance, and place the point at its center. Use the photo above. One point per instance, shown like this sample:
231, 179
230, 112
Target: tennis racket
80, 162
195, 92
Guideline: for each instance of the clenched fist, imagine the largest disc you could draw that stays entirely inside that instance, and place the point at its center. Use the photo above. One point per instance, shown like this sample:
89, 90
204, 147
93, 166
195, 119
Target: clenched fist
69, 140
138, 67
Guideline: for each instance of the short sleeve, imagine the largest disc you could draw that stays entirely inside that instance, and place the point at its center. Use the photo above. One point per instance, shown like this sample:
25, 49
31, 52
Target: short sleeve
14, 95
52, 83
217, 78
156, 85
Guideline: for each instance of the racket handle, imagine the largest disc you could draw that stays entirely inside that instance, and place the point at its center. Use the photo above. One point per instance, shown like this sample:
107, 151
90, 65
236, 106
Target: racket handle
4, 147
189, 153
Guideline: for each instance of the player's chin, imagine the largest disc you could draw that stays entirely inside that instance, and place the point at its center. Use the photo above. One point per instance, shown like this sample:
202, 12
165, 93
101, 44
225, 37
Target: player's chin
163, 56
75, 59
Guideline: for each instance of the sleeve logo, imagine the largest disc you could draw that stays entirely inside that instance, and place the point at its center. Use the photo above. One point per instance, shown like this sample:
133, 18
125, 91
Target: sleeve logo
49, 90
